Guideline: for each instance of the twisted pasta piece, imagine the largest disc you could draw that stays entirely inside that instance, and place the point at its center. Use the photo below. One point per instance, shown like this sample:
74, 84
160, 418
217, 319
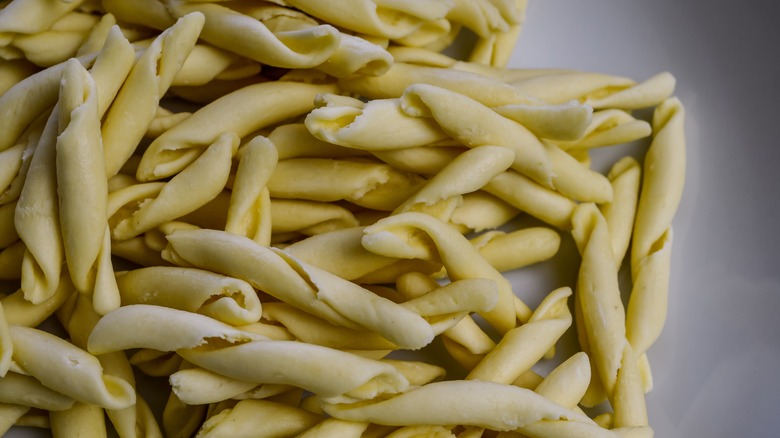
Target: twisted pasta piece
31, 17
79, 418
55, 44
557, 87
23, 390
608, 127
566, 121
259, 418
620, 213
647, 94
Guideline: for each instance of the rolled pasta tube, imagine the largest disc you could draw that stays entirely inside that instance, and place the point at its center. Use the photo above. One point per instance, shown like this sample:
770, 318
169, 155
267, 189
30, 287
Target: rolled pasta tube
68, 369
500, 407
163, 121
81, 182
50, 47
470, 295
481, 211
196, 386
258, 419
649, 93
416, 372
564, 86
522, 347
23, 390
562, 428
628, 402
486, 90
37, 219
460, 258
238, 257
156, 363
31, 17
575, 180
11, 259
136, 103
97, 35
10, 414
6, 346
566, 384
334, 427
226, 299
313, 330
249, 212
249, 37
14, 71
513, 250
243, 112
378, 125
475, 125
20, 311
467, 173
204, 64
663, 180
81, 419
368, 184
321, 370
625, 176
482, 17
422, 430
309, 218
8, 234
425, 160
201, 181
380, 315
184, 330
421, 56
566, 121
389, 19
181, 420
11, 162
526, 195
147, 13
608, 127
603, 314
496, 49
293, 140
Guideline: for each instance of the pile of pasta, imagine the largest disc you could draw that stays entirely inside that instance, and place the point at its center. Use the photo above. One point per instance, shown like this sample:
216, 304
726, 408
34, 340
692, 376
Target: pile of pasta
300, 215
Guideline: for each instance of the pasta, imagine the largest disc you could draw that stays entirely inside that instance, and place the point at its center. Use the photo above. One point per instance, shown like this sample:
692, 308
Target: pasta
310, 221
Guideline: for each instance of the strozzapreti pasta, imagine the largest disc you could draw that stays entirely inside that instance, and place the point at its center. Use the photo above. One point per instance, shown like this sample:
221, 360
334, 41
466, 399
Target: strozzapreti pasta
285, 219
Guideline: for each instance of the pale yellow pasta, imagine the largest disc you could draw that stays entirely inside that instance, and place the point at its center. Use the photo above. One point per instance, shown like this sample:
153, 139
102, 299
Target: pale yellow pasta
500, 407
223, 298
22, 390
416, 372
151, 13
496, 48
97, 35
575, 180
249, 213
380, 124
181, 420
11, 160
625, 175
196, 386
36, 219
204, 64
628, 402
460, 296
608, 127
243, 112
293, 140
260, 419
14, 71
486, 90
389, 19
201, 181
417, 431
420, 56
8, 234
156, 363
10, 414
17, 171
481, 16
367, 184
649, 93
163, 121
33, 16
309, 218
56, 44
11, 259
513, 250
567, 383
598, 296
566, 121
6, 346
530, 197
136, 103
467, 173
334, 427
68, 369
459, 257
249, 37
562, 86
480, 211
425, 160
82, 419
520, 348
20, 311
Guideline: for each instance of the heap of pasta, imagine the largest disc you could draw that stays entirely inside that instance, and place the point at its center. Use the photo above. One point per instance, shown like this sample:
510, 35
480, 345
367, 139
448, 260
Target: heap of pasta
302, 218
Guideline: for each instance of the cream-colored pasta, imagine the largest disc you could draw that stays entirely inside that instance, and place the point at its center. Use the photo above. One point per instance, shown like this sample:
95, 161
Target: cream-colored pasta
226, 299
196, 386
482, 17
258, 418
293, 140
14, 71
17, 171
20, 311
467, 173
156, 363
31, 17
11, 259
181, 420
56, 44
460, 296
486, 90
243, 112
390, 237
625, 175
6, 346
389, 19
11, 162
380, 124
309, 218
608, 127
81, 419
368, 184
563, 86
480, 211
628, 401
424, 160
147, 13
520, 348
566, 121
649, 93
335, 427
496, 48
501, 407
10, 414
528, 196
163, 121
249, 37
8, 234
249, 213
22, 390
201, 181
602, 311
204, 64
136, 103
515, 249
567, 383
68, 369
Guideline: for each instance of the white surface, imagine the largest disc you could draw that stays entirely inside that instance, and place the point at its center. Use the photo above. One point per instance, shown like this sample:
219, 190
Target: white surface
716, 362
715, 366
